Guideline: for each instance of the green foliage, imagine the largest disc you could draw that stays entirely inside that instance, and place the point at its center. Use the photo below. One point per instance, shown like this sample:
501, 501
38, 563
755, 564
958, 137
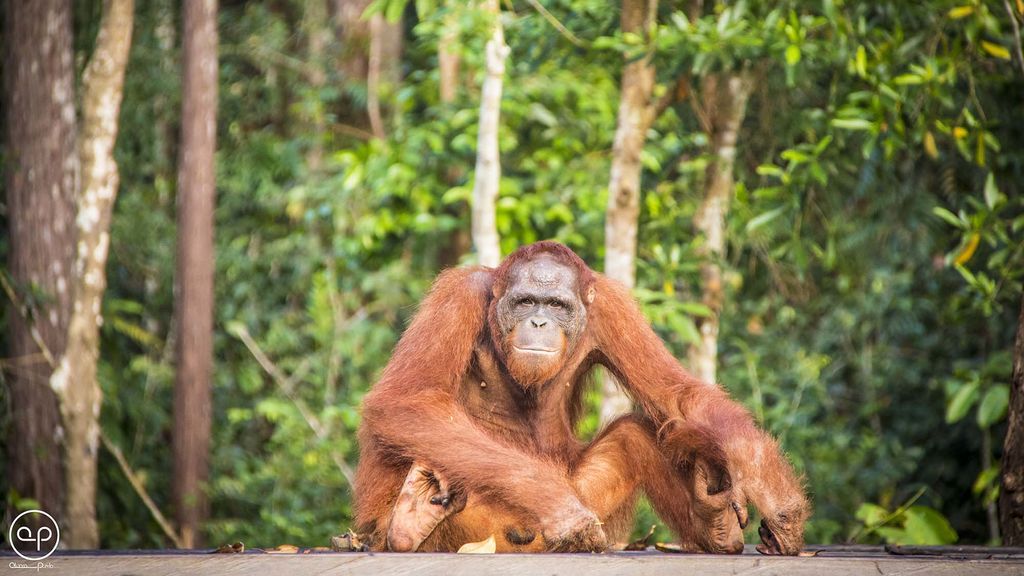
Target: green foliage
918, 525
874, 242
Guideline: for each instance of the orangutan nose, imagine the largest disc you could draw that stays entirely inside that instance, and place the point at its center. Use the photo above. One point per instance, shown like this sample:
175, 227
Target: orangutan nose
538, 322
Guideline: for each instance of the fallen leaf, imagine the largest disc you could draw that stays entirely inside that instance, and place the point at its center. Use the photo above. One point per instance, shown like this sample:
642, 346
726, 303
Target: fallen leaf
676, 548
669, 548
283, 549
483, 547
236, 548
808, 553
348, 542
641, 544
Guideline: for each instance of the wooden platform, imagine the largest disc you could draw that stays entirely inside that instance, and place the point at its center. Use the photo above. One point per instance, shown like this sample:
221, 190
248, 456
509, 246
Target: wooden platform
830, 561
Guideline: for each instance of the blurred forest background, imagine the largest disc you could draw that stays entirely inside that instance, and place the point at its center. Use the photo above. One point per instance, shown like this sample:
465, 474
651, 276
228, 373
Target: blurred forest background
826, 198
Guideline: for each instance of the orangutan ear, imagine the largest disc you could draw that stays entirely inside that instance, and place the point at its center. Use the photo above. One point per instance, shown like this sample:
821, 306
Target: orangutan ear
590, 295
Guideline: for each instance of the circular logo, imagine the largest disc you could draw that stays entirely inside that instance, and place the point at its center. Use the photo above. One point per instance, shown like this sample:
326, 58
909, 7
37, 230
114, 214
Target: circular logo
34, 535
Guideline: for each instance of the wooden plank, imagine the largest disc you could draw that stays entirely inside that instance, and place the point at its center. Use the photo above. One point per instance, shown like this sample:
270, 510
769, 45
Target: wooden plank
958, 551
624, 564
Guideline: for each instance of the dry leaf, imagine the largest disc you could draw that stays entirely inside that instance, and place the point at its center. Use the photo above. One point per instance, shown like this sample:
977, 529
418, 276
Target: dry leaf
483, 547
809, 553
348, 542
236, 548
641, 544
674, 548
283, 549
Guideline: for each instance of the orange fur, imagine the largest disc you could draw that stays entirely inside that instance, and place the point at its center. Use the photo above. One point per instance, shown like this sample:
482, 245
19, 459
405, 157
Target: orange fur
448, 401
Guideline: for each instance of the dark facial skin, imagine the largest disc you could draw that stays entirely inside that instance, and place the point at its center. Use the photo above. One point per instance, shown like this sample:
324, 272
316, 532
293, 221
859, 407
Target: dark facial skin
541, 317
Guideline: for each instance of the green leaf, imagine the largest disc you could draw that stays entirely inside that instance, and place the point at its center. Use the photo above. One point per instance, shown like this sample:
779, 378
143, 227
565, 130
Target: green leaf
993, 406
540, 113
961, 402
949, 217
852, 123
821, 146
763, 218
967, 274
893, 535
871, 514
769, 170
961, 12
235, 328
991, 191
685, 328
928, 526
632, 39
792, 54
995, 50
695, 309
908, 79
794, 155
985, 479
26, 503
680, 20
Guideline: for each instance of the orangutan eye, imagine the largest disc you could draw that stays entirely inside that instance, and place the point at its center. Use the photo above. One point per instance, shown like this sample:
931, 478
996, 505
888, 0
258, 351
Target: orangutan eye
526, 302
558, 304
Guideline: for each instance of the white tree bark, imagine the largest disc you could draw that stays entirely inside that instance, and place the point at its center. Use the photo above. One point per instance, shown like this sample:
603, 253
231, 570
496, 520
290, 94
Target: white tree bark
488, 162
636, 113
75, 378
725, 101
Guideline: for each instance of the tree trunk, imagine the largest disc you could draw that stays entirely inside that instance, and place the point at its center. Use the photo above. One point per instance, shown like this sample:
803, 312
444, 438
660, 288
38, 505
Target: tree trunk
194, 307
636, 113
41, 182
353, 33
373, 76
80, 395
459, 241
488, 163
371, 53
315, 30
1011, 496
448, 61
725, 104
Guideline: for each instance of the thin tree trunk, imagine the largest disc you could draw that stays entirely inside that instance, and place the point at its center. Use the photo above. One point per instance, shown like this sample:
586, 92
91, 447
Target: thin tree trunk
371, 53
488, 162
725, 104
80, 395
353, 33
459, 240
391, 46
314, 25
448, 61
1011, 496
636, 113
41, 179
373, 72
194, 307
